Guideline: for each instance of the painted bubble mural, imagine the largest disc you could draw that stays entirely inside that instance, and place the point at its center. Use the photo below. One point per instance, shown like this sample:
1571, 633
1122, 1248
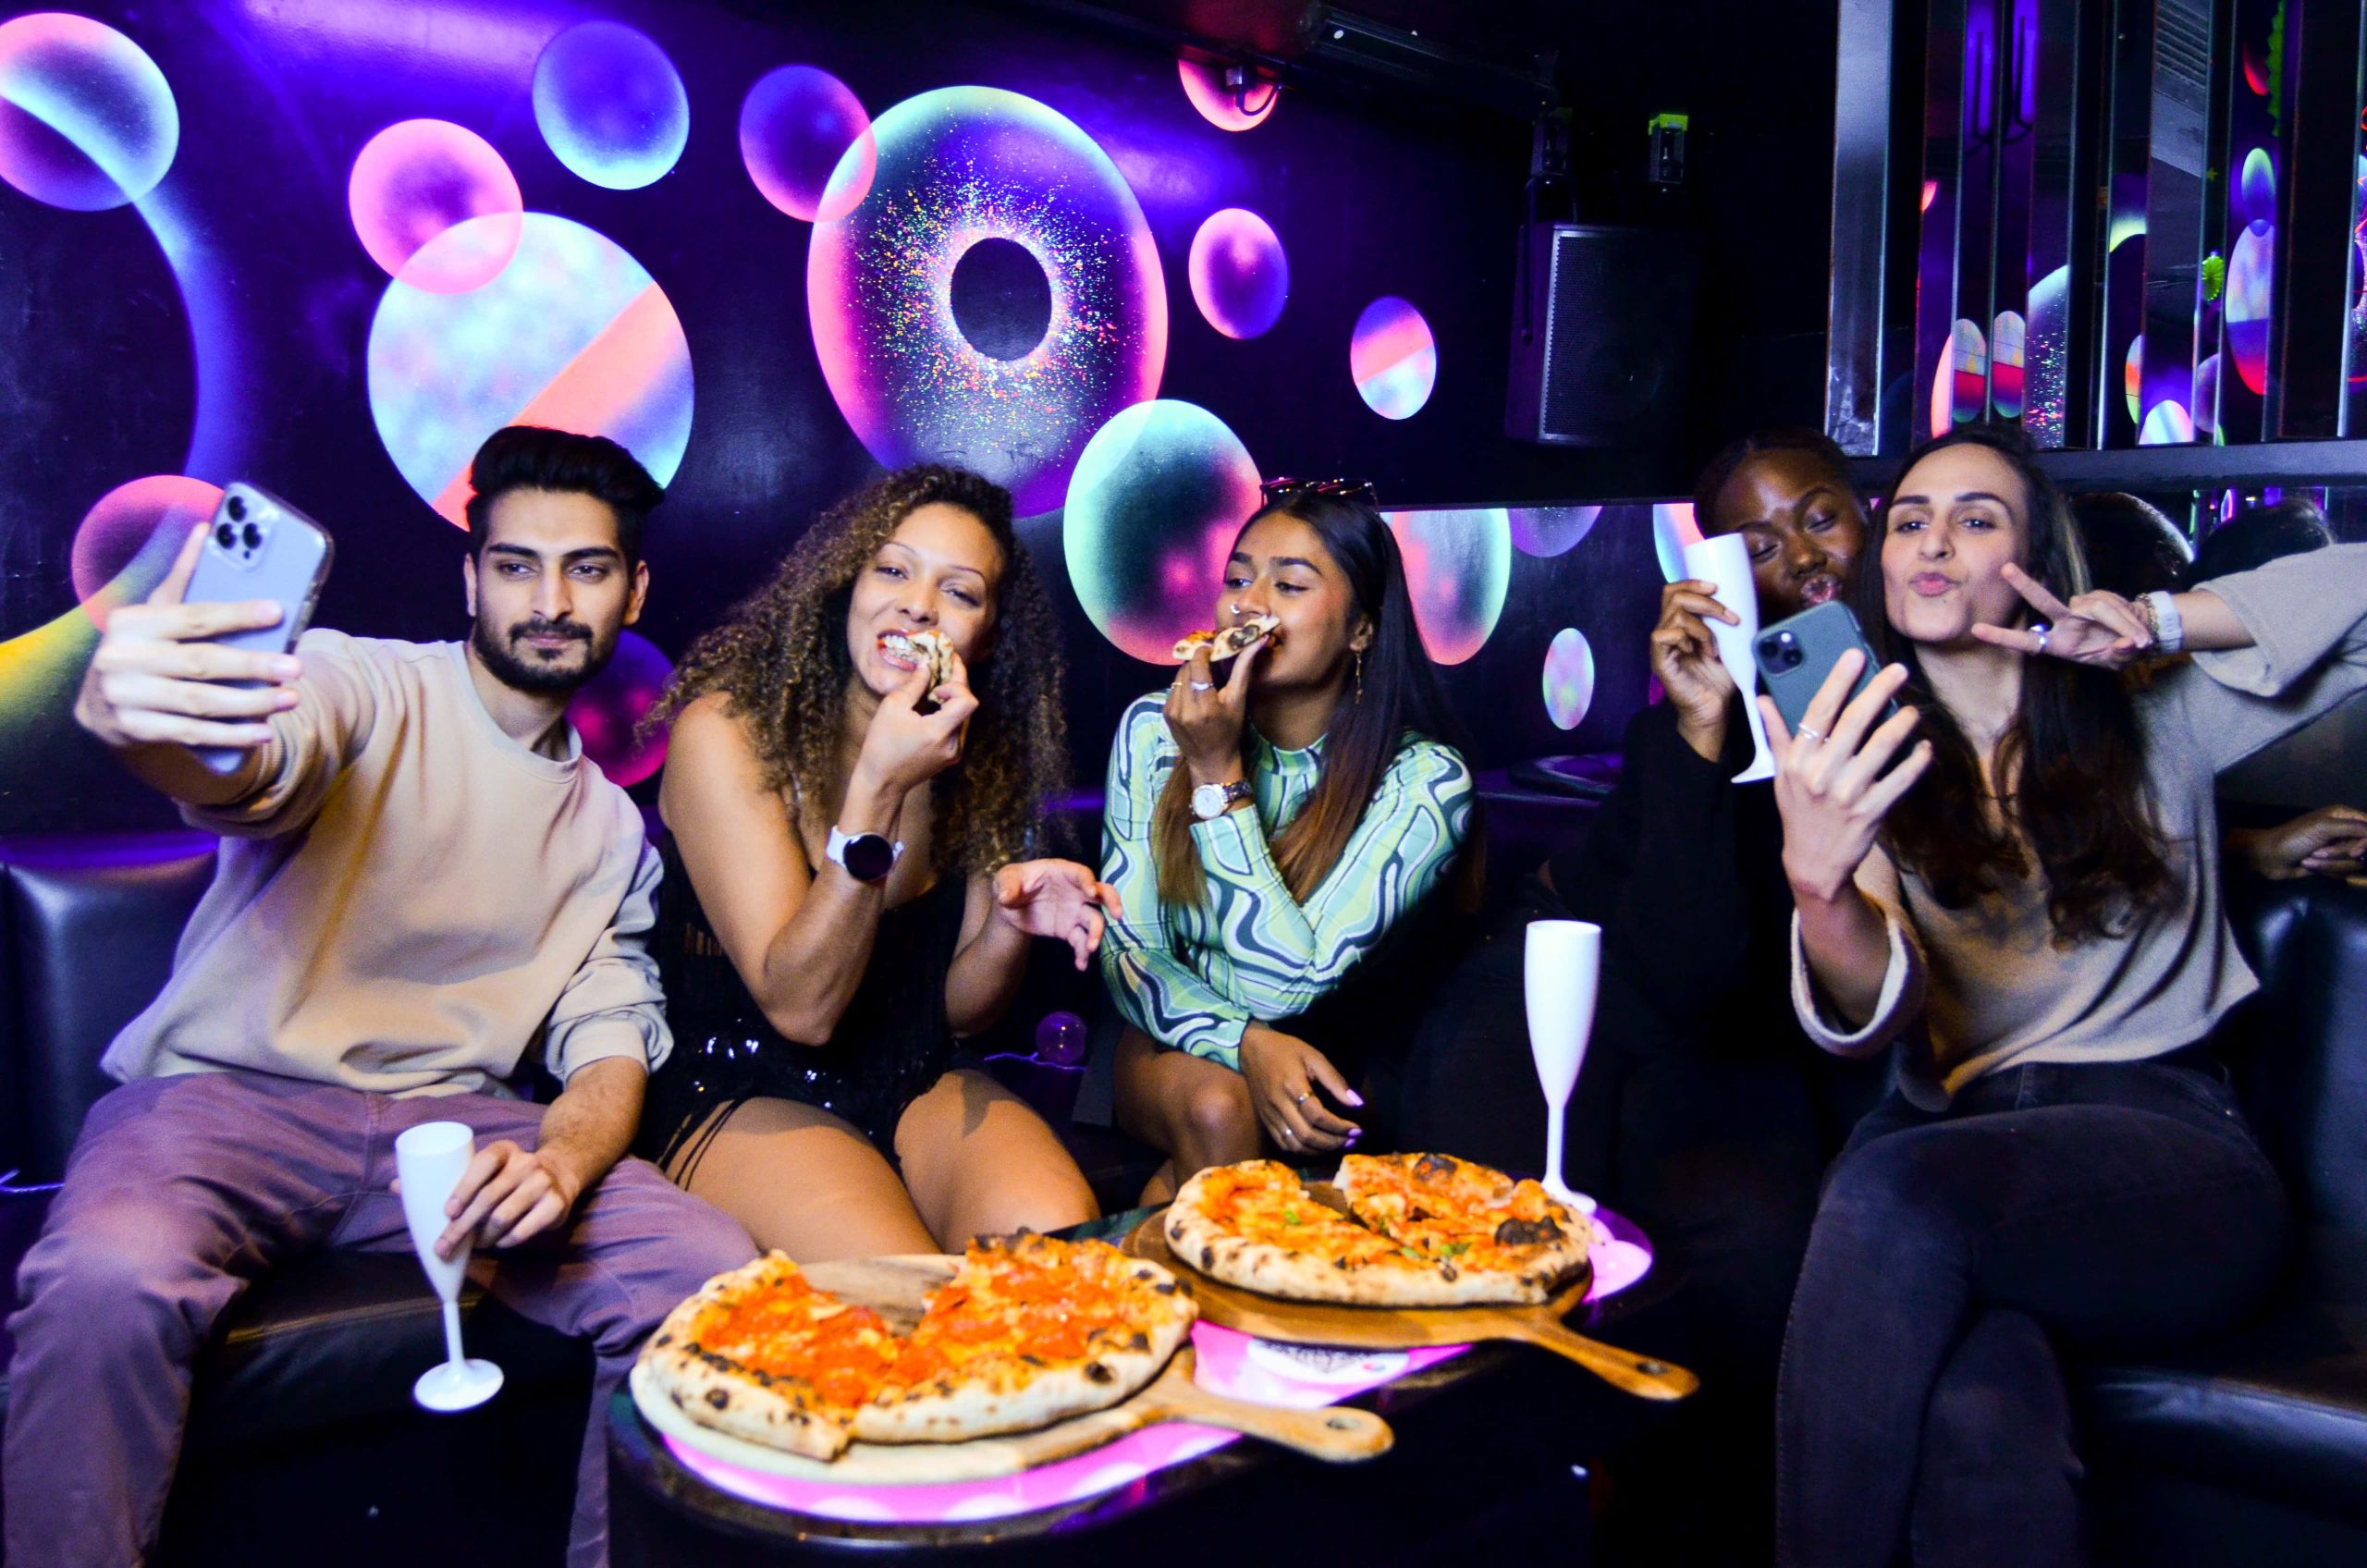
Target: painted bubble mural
1240, 276
574, 333
1392, 358
1222, 107
1158, 495
1545, 532
1458, 565
610, 105
965, 169
796, 125
1569, 679
127, 541
87, 119
610, 706
417, 178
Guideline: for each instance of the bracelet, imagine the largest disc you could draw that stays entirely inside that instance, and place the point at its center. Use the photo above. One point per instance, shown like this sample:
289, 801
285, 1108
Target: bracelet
2161, 612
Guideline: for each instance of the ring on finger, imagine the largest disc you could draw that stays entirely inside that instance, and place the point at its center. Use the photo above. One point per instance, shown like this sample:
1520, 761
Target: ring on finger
1302, 1099
1287, 1136
1810, 734
1204, 685
2040, 631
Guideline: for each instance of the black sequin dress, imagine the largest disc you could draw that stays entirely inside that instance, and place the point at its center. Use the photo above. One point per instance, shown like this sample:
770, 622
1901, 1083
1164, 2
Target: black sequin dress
890, 1045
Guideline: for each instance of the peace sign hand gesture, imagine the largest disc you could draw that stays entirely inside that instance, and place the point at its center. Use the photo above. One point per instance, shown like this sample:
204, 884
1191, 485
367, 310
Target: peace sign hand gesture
2097, 628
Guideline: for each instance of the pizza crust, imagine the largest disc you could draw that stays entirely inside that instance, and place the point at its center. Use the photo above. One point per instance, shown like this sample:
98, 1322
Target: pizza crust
714, 1390
1200, 1234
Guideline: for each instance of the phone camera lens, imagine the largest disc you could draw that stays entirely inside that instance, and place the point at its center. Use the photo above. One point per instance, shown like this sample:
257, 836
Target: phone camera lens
225, 535
237, 507
253, 536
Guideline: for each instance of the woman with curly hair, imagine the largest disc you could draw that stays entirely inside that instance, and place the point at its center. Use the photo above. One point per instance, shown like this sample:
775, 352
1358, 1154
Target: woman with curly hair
846, 894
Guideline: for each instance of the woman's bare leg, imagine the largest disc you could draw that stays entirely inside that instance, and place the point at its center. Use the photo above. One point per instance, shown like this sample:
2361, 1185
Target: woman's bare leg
1196, 1110
803, 1181
979, 1162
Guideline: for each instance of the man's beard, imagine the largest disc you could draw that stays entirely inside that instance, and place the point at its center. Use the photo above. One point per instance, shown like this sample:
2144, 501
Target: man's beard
528, 672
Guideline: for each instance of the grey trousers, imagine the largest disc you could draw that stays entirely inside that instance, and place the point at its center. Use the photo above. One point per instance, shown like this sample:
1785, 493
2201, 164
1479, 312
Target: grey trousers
182, 1190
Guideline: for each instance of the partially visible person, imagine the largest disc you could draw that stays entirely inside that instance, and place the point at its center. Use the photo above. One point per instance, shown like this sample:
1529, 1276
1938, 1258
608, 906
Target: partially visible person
2132, 546
420, 877
2330, 841
2318, 767
852, 885
1703, 1112
2258, 535
2026, 900
1270, 831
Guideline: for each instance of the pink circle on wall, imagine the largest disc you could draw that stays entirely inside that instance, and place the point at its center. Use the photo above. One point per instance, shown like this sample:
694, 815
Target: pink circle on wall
1240, 274
126, 543
797, 125
1219, 104
417, 180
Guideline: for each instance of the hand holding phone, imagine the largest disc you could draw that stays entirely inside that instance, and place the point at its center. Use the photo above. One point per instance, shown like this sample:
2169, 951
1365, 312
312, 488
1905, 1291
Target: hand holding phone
1831, 787
199, 665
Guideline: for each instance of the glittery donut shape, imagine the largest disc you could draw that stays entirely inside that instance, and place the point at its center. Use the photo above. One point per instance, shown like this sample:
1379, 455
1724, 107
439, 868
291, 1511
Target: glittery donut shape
999, 179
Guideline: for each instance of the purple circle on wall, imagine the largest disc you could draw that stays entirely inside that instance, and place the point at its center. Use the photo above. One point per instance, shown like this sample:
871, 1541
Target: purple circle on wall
796, 125
957, 167
611, 705
610, 105
1240, 274
126, 543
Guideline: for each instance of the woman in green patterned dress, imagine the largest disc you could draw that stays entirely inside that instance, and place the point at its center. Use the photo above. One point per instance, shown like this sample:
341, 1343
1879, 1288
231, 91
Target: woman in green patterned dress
1267, 831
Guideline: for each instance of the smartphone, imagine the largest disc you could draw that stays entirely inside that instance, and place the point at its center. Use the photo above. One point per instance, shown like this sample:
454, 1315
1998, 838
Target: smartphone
260, 547
1795, 656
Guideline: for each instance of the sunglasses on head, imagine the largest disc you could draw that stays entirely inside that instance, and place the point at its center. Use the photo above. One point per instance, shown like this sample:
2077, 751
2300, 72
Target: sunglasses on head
1348, 489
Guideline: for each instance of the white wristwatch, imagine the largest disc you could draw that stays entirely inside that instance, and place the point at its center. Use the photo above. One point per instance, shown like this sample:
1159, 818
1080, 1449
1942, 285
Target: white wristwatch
1212, 801
2169, 626
866, 857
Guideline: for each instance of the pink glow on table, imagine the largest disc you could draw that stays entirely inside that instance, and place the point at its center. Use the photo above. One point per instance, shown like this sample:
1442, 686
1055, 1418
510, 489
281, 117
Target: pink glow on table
1226, 1367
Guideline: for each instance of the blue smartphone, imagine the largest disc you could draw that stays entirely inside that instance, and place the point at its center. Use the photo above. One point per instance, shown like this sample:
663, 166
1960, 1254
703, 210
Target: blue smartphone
260, 547
1796, 656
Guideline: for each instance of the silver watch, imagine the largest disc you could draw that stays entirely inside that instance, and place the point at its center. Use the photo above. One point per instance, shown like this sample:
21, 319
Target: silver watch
1212, 801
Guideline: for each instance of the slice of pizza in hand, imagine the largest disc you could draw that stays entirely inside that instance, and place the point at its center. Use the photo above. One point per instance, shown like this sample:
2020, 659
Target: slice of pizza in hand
1227, 641
932, 649
759, 1354
1030, 1330
1477, 1218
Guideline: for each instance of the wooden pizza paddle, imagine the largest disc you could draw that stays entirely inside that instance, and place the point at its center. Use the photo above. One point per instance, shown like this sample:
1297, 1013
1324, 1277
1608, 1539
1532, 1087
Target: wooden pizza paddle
898, 1288
1385, 1328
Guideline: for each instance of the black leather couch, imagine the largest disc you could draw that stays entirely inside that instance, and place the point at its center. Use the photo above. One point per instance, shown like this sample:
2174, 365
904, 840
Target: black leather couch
302, 1433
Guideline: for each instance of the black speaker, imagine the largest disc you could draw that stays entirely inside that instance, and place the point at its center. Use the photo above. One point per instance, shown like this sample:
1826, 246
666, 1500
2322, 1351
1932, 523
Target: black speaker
1601, 331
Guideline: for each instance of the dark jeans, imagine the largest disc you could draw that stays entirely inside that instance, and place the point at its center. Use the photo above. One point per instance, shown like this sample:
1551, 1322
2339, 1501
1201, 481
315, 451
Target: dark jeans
2115, 1209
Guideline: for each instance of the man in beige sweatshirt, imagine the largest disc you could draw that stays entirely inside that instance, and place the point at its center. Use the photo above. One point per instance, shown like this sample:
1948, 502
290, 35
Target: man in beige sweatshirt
422, 876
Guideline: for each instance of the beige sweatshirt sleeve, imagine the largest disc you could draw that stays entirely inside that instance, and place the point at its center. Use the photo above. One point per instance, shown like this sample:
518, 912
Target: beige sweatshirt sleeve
613, 1005
337, 702
1903, 974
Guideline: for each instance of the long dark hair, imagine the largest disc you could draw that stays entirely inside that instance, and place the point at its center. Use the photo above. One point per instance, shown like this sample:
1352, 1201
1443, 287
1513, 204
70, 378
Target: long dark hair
781, 660
2070, 767
1399, 692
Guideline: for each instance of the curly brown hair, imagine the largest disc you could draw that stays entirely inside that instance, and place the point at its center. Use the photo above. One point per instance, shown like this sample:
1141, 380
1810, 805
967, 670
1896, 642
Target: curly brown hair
780, 659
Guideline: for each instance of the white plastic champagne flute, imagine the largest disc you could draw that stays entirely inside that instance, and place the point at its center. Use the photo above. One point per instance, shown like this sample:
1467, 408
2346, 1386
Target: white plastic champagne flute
1725, 560
1561, 967
431, 1158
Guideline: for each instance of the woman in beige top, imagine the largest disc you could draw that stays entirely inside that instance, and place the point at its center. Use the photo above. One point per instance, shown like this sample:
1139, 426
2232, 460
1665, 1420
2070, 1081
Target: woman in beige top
2013, 883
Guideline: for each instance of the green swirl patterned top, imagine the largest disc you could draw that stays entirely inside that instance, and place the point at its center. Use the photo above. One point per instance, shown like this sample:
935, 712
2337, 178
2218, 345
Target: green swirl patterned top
1194, 978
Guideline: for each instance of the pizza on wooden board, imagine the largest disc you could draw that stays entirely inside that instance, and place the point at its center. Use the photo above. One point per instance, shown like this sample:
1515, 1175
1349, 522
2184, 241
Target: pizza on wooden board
1419, 1230
1030, 1330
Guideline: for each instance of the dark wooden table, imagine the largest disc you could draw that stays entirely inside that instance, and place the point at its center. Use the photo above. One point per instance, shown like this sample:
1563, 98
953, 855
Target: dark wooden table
1493, 1454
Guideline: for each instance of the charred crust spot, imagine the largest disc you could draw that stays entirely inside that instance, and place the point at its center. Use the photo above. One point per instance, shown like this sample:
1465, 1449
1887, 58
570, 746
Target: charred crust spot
720, 1397
1526, 1233
1138, 1341
1165, 1288
1435, 1167
1031, 1359
1341, 1264
665, 1340
1448, 1272
1096, 1372
1207, 1257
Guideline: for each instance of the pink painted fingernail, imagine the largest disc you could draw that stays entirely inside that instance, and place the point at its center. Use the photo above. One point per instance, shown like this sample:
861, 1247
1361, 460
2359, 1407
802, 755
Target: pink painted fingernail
1352, 1097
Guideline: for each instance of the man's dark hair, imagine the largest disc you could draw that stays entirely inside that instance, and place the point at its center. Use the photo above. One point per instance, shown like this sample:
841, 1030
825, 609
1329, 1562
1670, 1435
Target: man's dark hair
528, 457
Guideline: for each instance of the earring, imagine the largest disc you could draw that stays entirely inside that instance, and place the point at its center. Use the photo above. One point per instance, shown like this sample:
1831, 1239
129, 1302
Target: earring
1360, 675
